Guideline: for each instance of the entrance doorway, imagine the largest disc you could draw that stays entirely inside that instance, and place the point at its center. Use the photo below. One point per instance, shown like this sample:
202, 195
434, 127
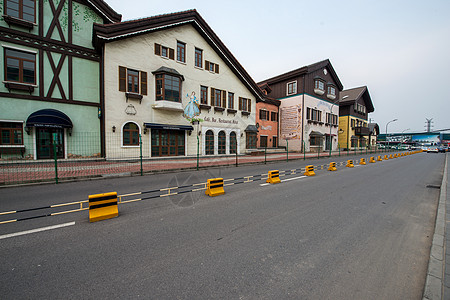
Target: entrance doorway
45, 138
327, 142
167, 142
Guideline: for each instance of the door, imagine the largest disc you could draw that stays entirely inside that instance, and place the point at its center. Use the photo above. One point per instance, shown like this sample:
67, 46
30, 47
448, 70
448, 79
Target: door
45, 138
327, 142
275, 142
263, 141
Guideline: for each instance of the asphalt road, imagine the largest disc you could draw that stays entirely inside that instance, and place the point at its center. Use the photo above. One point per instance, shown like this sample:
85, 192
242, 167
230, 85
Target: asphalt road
358, 233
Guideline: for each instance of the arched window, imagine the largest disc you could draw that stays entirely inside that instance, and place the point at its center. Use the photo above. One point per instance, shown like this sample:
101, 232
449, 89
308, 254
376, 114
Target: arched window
130, 134
209, 143
222, 141
233, 143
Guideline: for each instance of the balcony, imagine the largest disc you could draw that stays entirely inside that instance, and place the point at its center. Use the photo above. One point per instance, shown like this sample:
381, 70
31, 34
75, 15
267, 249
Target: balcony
362, 130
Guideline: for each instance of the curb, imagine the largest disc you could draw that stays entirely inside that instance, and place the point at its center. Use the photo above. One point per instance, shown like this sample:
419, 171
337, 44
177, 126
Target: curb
435, 275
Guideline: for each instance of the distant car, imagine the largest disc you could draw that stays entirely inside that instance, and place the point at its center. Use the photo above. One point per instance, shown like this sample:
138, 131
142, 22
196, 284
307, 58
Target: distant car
432, 149
442, 149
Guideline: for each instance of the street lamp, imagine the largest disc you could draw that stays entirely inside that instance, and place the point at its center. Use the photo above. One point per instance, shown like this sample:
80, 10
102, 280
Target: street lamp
387, 131
403, 136
330, 121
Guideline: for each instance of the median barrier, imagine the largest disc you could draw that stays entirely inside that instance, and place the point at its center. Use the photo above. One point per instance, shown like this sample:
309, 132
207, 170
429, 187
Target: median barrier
391, 157
379, 158
332, 166
362, 161
372, 159
274, 177
349, 163
386, 157
309, 170
214, 187
103, 206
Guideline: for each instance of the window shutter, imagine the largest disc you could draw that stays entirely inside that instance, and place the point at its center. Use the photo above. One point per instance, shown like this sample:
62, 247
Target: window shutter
157, 49
144, 83
217, 68
240, 103
224, 99
206, 65
171, 53
213, 95
122, 79
249, 105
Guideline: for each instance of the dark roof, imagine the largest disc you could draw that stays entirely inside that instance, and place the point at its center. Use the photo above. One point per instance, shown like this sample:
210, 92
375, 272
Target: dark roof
350, 96
306, 70
168, 70
101, 7
112, 32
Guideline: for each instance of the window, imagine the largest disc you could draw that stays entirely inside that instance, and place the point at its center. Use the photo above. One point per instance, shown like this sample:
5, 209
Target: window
132, 81
230, 100
164, 51
218, 98
209, 143
168, 87
319, 87
21, 9
251, 140
352, 123
263, 114
130, 134
222, 142
204, 95
314, 140
263, 141
198, 58
167, 142
313, 114
11, 133
245, 104
331, 91
274, 141
181, 51
308, 113
212, 67
274, 116
292, 88
20, 66
233, 143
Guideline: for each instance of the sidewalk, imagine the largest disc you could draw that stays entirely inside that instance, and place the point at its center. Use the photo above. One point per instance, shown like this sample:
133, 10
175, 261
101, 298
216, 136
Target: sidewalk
437, 285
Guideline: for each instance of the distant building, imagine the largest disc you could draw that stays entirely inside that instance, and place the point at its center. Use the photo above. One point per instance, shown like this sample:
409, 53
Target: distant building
354, 107
267, 117
374, 131
308, 106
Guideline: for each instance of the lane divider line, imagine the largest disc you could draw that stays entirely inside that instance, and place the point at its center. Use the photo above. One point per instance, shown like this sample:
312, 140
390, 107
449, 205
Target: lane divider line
36, 230
288, 179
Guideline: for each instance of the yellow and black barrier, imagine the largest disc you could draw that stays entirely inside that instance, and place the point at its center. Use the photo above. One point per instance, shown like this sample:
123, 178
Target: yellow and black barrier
391, 157
379, 158
386, 157
274, 177
372, 159
309, 170
362, 161
103, 206
332, 166
214, 187
349, 164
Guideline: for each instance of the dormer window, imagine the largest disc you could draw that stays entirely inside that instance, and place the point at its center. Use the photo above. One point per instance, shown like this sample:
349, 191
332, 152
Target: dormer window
292, 88
319, 87
331, 92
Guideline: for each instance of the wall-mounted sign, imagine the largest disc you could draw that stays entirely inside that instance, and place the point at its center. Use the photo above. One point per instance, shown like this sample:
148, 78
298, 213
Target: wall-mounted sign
220, 120
291, 122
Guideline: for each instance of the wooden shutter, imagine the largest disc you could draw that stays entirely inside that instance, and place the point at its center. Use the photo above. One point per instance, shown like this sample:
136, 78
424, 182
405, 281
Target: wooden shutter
240, 103
171, 53
216, 68
122, 79
224, 99
213, 95
144, 83
206, 65
249, 102
157, 49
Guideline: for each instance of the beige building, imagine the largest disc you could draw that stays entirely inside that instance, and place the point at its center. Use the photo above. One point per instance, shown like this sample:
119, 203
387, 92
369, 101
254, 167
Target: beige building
164, 72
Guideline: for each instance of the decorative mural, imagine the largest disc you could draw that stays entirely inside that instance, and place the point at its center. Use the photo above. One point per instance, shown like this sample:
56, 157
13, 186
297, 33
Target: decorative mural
192, 109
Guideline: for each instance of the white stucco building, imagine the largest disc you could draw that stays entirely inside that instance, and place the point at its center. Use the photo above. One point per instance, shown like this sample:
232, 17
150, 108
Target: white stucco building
160, 71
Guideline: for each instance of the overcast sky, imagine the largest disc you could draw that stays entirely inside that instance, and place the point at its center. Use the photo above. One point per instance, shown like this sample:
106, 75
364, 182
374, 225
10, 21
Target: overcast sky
400, 50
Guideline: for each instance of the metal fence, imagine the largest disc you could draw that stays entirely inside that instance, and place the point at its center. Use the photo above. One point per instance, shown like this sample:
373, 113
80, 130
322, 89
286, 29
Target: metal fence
58, 158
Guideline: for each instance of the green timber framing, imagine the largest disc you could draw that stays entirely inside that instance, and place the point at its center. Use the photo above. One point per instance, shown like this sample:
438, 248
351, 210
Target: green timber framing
67, 73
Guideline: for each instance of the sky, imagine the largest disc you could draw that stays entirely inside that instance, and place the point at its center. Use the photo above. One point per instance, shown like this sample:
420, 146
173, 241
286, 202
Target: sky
399, 49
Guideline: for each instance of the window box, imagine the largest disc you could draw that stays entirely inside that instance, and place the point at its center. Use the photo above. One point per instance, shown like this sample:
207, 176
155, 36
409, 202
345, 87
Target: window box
217, 108
320, 123
319, 91
19, 86
168, 105
310, 121
205, 106
134, 96
19, 22
231, 111
245, 113
331, 97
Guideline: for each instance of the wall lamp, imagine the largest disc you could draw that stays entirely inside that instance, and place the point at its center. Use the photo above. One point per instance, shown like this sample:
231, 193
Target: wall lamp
114, 128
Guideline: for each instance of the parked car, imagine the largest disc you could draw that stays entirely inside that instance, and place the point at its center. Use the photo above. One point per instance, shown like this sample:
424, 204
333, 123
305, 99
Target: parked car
442, 149
433, 149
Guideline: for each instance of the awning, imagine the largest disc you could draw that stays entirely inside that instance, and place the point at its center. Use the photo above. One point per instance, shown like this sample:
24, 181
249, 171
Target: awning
51, 118
168, 126
315, 133
251, 128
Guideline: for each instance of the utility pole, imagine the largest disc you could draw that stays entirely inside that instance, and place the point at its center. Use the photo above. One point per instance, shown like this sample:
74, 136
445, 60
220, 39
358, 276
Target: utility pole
429, 124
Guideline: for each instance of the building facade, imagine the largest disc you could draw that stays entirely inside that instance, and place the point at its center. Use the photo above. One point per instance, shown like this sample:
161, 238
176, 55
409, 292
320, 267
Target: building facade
51, 81
267, 120
308, 107
354, 107
172, 85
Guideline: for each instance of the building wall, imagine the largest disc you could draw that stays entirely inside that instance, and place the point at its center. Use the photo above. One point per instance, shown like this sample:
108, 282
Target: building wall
138, 53
267, 128
346, 131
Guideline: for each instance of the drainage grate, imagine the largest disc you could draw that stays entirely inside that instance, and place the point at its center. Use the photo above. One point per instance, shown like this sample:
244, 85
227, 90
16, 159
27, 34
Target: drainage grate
431, 186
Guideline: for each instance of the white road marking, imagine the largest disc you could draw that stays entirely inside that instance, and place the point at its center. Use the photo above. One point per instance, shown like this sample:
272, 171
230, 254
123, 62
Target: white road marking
288, 179
36, 230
